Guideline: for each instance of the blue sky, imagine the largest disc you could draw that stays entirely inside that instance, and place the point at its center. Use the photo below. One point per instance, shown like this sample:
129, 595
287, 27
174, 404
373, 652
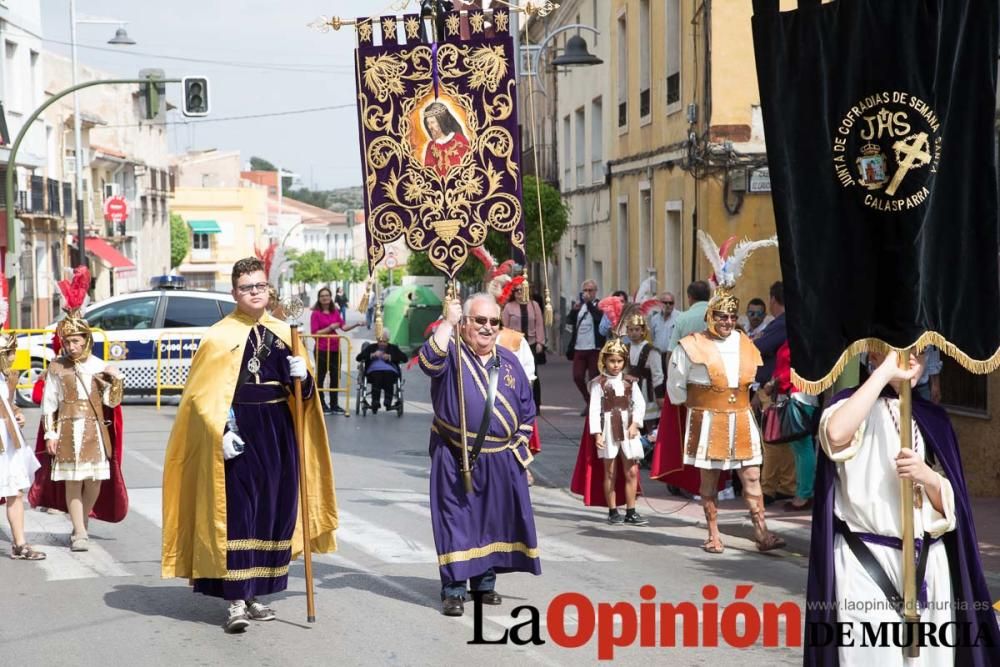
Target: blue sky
276, 64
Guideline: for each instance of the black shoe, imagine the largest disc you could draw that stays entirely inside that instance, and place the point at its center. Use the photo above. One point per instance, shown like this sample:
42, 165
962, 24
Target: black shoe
374, 409
326, 409
616, 519
634, 519
453, 606
337, 410
492, 598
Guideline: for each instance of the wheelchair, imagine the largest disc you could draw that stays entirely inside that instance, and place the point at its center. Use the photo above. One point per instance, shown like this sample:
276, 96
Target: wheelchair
363, 399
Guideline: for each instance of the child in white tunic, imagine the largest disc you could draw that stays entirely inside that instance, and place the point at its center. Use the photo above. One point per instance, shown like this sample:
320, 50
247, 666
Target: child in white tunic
17, 461
616, 413
860, 435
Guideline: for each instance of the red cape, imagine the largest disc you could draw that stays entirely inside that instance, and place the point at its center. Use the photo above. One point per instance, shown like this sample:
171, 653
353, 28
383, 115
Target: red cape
112, 503
667, 465
588, 475
535, 443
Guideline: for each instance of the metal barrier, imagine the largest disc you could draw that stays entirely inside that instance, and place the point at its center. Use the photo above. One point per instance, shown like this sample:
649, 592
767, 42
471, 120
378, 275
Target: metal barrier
344, 388
41, 341
175, 344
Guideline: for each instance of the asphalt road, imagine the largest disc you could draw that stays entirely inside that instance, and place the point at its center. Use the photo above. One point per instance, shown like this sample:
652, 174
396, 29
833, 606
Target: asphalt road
377, 597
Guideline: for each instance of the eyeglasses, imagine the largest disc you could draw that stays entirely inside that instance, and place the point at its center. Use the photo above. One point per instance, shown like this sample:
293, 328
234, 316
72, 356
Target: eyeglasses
667, 303
755, 313
483, 321
250, 289
722, 317
589, 289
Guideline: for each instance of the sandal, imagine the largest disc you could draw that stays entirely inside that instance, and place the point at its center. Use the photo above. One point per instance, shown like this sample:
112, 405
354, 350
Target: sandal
25, 552
713, 545
770, 543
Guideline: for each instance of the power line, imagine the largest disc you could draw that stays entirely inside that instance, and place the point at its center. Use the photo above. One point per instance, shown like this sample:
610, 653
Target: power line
273, 114
280, 67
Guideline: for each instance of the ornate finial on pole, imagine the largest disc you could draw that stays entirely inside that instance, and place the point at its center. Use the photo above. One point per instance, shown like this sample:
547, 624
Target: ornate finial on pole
543, 9
324, 24
292, 308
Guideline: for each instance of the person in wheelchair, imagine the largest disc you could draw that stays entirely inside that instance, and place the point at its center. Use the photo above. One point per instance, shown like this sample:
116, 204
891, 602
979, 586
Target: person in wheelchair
381, 367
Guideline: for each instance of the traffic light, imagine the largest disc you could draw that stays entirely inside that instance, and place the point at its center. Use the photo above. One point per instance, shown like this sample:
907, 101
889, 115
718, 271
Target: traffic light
195, 96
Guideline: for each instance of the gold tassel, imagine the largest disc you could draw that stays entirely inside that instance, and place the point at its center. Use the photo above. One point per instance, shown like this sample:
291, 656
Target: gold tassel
363, 306
525, 288
378, 320
549, 316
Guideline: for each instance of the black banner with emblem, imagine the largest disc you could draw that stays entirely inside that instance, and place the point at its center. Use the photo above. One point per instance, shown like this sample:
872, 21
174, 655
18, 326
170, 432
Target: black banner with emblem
879, 117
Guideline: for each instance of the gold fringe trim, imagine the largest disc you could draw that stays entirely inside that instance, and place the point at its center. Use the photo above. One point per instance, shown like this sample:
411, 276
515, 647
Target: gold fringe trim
878, 346
256, 573
479, 552
428, 365
258, 545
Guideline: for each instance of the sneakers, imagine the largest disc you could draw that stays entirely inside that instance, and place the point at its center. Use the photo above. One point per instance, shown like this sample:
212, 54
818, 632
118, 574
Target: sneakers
615, 519
634, 519
257, 611
336, 410
79, 544
237, 621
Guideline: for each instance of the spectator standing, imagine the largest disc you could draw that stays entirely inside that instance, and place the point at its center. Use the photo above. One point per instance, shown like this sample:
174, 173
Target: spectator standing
585, 341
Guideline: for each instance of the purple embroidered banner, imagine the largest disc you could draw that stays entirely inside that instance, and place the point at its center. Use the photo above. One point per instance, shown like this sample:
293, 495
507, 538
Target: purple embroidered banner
440, 148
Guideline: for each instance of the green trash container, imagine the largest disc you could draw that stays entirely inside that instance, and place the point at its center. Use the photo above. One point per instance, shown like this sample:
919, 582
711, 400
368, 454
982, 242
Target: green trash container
406, 314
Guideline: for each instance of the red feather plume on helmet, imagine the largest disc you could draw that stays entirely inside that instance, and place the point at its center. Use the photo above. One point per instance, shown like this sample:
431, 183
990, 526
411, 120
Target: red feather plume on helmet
74, 291
508, 291
612, 306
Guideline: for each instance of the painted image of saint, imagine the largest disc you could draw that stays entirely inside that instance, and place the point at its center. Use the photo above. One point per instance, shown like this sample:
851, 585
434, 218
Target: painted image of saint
448, 143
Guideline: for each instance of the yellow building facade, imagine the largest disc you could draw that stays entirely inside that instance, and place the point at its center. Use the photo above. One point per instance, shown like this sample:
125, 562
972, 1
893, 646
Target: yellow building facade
224, 224
688, 143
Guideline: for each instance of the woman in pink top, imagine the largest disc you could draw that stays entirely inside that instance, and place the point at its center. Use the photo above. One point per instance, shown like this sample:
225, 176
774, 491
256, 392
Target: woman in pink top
527, 318
326, 321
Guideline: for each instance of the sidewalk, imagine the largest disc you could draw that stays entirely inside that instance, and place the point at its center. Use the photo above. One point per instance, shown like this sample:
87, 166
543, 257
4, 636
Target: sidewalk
561, 425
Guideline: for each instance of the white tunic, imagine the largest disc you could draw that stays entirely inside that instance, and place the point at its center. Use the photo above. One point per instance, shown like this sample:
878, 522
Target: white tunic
51, 398
17, 464
600, 422
681, 373
655, 366
867, 499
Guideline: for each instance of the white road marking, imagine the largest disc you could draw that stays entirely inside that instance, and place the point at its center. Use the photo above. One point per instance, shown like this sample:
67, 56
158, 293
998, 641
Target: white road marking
550, 548
50, 533
386, 545
148, 503
139, 456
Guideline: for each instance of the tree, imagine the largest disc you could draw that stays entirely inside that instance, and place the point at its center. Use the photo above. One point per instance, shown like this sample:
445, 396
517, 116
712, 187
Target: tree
556, 216
309, 267
180, 240
260, 164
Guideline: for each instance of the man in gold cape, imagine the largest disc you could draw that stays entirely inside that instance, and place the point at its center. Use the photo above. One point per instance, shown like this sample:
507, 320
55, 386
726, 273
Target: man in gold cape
198, 506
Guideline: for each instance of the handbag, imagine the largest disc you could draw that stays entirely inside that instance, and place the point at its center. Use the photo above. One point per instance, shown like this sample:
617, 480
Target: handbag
787, 420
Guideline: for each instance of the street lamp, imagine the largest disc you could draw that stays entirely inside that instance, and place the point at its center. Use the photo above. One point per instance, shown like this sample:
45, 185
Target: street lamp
575, 55
121, 38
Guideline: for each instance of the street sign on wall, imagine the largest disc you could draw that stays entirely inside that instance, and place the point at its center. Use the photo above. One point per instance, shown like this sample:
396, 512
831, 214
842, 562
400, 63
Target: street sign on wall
115, 209
760, 180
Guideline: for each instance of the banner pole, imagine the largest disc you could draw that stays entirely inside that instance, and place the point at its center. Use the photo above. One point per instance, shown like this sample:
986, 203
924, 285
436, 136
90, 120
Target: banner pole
911, 614
452, 293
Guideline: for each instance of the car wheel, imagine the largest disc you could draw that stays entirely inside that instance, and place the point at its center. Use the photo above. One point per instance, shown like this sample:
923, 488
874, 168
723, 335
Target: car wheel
28, 377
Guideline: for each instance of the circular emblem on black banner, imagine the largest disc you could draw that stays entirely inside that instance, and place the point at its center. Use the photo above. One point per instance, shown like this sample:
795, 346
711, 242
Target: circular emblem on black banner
888, 147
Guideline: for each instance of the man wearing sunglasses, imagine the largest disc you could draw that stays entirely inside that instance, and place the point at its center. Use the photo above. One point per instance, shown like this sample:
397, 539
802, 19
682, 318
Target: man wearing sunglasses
711, 373
756, 318
492, 529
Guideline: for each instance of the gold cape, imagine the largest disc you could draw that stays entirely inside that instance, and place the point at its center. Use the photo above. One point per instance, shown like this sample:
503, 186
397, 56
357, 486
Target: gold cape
194, 481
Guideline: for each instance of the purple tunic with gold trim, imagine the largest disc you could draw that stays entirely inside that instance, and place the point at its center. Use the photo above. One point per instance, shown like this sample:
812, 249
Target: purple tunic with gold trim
493, 527
262, 483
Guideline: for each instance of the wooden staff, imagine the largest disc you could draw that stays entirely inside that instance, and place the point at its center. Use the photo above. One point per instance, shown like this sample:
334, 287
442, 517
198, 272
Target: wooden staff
910, 613
463, 439
298, 419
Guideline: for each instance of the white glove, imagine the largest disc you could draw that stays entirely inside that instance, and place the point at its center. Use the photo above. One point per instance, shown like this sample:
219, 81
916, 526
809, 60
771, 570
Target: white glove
232, 445
297, 367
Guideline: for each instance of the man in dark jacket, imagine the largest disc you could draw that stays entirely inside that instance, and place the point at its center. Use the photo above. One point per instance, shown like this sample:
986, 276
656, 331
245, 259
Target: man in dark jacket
382, 361
586, 340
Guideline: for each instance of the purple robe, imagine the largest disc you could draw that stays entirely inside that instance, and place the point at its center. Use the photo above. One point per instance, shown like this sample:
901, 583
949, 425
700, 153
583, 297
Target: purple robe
262, 483
494, 526
966, 570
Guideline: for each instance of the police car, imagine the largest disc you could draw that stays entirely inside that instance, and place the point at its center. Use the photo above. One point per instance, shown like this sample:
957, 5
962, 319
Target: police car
131, 325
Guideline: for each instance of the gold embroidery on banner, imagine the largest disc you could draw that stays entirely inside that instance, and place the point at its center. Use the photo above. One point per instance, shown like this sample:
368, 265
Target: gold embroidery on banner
500, 19
258, 545
412, 27
476, 21
365, 31
479, 552
448, 205
451, 24
388, 30
256, 573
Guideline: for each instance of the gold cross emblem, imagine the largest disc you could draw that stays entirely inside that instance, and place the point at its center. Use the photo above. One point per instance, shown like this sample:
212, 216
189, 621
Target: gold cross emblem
732, 398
